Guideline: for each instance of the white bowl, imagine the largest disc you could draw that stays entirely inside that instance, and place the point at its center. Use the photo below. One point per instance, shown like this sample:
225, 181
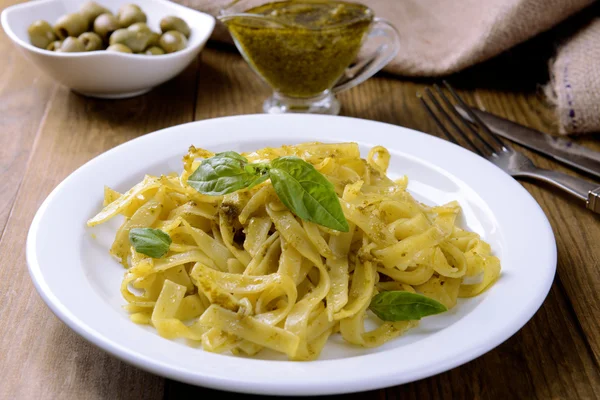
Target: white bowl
107, 74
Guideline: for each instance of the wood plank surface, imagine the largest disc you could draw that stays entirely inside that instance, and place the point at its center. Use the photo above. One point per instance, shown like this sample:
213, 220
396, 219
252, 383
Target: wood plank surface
48, 131
41, 357
576, 229
24, 95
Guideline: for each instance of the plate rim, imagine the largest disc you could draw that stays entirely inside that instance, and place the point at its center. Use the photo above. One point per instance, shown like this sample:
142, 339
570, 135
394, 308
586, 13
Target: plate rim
232, 384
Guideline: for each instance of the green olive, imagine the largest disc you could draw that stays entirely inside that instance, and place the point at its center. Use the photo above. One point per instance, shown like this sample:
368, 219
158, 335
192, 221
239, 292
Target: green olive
139, 27
172, 41
121, 48
71, 45
91, 41
142, 27
90, 10
172, 23
105, 24
136, 41
130, 5
153, 39
41, 34
130, 14
120, 36
70, 25
54, 46
154, 51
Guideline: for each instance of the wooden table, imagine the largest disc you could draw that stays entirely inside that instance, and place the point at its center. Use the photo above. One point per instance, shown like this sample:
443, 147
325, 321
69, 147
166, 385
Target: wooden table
47, 132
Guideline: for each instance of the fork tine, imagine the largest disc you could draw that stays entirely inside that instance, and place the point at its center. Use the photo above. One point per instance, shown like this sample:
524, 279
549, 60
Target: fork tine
447, 134
456, 128
478, 121
489, 148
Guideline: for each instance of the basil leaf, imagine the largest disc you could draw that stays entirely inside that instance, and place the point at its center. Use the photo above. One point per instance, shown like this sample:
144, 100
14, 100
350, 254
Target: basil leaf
259, 172
225, 173
151, 242
257, 180
307, 193
404, 306
257, 168
232, 155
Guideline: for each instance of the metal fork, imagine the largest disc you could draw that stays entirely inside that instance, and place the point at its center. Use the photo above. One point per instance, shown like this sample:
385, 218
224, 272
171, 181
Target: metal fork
489, 146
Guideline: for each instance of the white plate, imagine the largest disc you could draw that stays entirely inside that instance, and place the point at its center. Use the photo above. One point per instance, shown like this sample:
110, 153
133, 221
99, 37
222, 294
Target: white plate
79, 281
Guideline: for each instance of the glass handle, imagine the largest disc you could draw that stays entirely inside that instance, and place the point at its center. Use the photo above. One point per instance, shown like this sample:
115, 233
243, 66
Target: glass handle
368, 67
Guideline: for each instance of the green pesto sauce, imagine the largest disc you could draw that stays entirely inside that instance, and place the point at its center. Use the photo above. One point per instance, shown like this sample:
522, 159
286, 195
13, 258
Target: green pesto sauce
307, 47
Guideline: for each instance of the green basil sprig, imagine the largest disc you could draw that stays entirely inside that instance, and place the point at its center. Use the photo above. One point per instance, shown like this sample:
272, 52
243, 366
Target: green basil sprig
226, 173
399, 305
306, 192
151, 242
299, 186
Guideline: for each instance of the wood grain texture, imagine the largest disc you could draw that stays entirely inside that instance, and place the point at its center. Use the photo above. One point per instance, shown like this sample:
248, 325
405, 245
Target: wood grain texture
41, 357
226, 86
555, 355
576, 229
24, 95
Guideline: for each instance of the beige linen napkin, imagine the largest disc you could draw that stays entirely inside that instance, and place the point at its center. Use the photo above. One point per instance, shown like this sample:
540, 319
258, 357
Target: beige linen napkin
440, 37
575, 83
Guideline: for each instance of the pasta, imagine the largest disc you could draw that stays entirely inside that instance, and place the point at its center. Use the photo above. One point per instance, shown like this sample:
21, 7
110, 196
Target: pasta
243, 273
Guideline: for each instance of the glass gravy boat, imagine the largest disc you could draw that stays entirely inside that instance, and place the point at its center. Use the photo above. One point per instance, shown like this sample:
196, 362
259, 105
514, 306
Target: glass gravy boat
305, 49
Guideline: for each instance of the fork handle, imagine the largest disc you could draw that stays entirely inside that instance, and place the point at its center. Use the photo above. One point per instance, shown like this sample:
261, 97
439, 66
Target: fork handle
586, 191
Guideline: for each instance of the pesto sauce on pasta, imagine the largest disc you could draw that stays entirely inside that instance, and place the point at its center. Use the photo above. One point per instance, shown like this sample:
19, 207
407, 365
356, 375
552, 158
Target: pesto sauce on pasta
243, 273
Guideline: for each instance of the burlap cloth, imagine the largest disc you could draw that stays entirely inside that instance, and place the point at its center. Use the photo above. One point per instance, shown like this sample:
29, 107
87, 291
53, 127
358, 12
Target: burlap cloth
440, 37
